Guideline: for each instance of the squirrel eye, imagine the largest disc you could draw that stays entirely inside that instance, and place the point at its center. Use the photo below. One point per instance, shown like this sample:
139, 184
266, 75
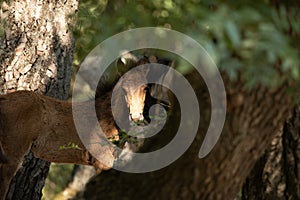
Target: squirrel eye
146, 89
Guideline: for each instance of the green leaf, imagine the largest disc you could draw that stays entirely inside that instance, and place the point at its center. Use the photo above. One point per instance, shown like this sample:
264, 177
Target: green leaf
233, 33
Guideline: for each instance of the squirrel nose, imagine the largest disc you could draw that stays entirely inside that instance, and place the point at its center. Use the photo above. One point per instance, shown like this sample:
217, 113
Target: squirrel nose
137, 117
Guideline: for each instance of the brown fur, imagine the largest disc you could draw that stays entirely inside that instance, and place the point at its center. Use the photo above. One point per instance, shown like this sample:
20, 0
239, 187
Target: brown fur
30, 121
3, 159
43, 125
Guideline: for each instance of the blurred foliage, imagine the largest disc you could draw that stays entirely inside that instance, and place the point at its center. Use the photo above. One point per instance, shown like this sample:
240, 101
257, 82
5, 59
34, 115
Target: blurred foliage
57, 180
256, 41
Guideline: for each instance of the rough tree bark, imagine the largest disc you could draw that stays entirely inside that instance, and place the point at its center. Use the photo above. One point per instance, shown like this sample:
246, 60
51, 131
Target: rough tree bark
254, 117
276, 175
36, 54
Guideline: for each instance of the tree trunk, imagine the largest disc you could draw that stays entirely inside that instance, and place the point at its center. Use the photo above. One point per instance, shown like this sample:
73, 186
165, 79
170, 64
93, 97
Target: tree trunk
80, 176
36, 54
277, 175
254, 117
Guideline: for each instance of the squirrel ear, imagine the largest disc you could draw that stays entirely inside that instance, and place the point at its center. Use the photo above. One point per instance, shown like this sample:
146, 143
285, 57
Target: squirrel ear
126, 61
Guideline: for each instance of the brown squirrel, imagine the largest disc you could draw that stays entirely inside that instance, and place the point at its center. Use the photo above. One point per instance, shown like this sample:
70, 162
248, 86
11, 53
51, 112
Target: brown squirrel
45, 126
